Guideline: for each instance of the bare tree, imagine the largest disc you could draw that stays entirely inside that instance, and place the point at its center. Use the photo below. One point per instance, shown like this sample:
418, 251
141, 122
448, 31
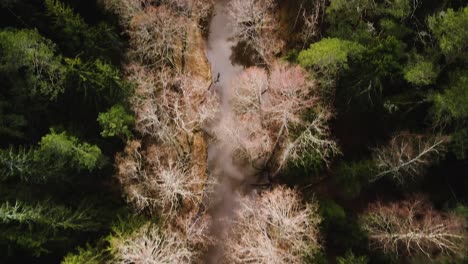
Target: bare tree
163, 32
311, 20
157, 37
195, 228
413, 227
248, 90
273, 227
195, 9
172, 103
407, 155
270, 108
126, 9
247, 139
255, 24
158, 179
313, 140
171, 106
130, 169
150, 245
289, 94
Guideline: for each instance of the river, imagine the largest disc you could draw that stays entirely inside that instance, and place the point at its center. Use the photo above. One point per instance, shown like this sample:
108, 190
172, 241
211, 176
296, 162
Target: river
228, 175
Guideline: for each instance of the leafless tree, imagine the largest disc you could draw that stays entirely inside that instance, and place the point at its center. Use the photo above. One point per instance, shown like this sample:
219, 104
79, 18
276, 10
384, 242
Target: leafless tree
313, 140
248, 90
130, 169
150, 245
195, 228
413, 227
270, 108
310, 20
247, 139
126, 9
171, 106
157, 36
407, 155
195, 9
256, 24
157, 179
273, 227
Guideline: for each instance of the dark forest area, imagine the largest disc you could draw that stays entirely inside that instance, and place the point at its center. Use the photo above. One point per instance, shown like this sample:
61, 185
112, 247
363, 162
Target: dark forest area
337, 132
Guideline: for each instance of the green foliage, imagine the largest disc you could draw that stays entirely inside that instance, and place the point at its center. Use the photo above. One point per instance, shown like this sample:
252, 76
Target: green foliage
332, 212
352, 176
28, 63
98, 82
421, 72
341, 12
451, 30
75, 36
459, 143
350, 258
58, 156
70, 24
116, 122
452, 104
8, 3
88, 255
32, 227
11, 124
394, 28
398, 9
347, 19
47, 214
341, 230
374, 71
43, 185
440, 260
318, 257
461, 210
123, 227
67, 149
329, 54
384, 59
18, 164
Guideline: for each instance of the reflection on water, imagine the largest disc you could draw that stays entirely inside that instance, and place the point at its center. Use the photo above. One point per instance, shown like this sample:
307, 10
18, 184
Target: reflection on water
221, 167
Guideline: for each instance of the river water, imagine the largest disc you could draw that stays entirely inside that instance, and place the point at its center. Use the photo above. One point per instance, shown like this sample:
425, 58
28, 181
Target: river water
221, 167
220, 46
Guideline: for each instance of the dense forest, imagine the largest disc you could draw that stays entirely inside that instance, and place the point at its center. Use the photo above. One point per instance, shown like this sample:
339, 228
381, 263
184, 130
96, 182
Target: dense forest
234, 131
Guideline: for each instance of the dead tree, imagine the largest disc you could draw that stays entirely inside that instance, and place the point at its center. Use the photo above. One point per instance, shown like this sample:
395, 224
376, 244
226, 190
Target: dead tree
407, 156
269, 109
150, 245
131, 172
126, 9
413, 227
273, 227
311, 20
156, 179
245, 137
198, 10
255, 23
157, 37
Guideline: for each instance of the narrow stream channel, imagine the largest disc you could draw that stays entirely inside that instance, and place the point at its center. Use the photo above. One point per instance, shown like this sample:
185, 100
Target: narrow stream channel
220, 164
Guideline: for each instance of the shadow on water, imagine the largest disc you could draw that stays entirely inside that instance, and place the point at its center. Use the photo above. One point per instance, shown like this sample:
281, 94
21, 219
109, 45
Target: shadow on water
220, 163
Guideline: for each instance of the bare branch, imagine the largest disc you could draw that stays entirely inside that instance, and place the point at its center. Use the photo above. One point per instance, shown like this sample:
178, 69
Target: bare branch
407, 156
270, 109
412, 227
272, 228
150, 245
255, 24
